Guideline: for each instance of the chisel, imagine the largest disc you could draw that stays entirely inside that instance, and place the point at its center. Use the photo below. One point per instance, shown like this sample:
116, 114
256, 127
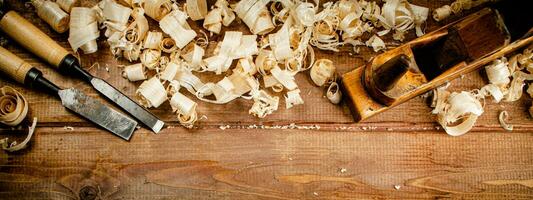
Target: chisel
73, 99
43, 46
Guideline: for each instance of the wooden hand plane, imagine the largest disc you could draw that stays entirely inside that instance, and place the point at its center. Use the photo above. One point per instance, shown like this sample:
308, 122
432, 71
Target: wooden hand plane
425, 63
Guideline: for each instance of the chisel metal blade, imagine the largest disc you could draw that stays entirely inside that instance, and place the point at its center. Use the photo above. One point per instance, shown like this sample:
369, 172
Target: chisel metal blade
127, 104
100, 114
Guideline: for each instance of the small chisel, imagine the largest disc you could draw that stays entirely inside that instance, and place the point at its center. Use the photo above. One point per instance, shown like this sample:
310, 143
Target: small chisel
33, 39
73, 99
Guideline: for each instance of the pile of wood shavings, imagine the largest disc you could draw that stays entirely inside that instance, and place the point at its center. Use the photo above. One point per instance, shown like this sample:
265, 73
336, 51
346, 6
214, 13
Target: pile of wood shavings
458, 112
284, 33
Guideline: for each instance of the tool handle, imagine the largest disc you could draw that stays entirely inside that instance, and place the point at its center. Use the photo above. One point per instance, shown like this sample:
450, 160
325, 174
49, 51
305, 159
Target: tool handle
13, 66
32, 38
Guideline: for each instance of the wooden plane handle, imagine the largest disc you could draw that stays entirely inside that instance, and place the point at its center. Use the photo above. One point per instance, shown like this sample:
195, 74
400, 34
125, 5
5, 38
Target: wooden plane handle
32, 38
13, 66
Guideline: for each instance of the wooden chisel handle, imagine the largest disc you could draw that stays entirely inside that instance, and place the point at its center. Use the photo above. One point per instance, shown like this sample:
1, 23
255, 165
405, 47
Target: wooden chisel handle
33, 39
13, 66
23, 72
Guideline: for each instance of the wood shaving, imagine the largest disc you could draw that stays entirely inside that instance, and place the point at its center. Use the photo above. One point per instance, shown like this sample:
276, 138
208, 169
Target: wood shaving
255, 15
376, 43
67, 5
197, 9
459, 113
264, 104
184, 107
284, 77
293, 98
151, 93
193, 54
150, 58
134, 72
14, 146
52, 14
502, 118
83, 30
175, 25
153, 40
401, 16
13, 106
334, 93
169, 72
456, 8
157, 9
168, 45
220, 15
322, 72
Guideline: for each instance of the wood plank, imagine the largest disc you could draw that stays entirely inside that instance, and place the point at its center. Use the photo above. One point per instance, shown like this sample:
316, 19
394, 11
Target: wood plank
271, 164
293, 154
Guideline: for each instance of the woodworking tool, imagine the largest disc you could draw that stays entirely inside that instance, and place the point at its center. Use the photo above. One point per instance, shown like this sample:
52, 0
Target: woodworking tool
436, 58
43, 46
73, 99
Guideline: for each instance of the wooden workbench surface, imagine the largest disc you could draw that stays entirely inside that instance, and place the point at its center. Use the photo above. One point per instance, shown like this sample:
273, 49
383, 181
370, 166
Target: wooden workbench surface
312, 151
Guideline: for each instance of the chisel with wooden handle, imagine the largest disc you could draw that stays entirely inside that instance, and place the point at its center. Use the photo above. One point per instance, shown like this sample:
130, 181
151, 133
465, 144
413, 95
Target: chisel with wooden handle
43, 46
73, 99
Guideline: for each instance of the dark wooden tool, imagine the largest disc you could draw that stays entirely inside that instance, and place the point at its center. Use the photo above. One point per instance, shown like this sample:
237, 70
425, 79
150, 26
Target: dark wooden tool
430, 61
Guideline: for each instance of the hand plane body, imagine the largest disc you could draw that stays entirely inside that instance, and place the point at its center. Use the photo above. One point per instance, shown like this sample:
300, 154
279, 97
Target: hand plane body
425, 63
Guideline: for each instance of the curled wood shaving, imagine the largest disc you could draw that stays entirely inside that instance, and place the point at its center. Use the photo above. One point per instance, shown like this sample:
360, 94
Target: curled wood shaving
325, 35
169, 72
218, 16
456, 8
293, 98
151, 93
255, 15
83, 30
115, 15
213, 21
134, 72
168, 45
52, 14
284, 77
322, 72
197, 9
14, 146
442, 13
175, 25
246, 66
137, 30
334, 93
185, 108
153, 40
265, 61
194, 54
222, 60
157, 9
150, 58
459, 114
401, 16
264, 104
67, 5
502, 118
13, 106
280, 43
376, 43
498, 72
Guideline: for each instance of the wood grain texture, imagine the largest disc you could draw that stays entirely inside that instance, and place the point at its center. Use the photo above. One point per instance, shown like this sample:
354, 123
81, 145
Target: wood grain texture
312, 151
